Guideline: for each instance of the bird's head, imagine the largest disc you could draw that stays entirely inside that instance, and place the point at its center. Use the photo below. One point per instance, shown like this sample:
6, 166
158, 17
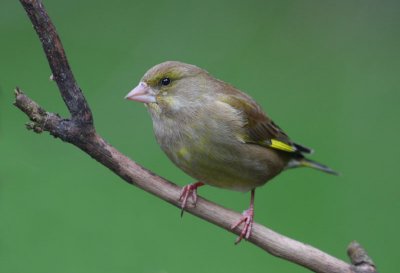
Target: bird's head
170, 87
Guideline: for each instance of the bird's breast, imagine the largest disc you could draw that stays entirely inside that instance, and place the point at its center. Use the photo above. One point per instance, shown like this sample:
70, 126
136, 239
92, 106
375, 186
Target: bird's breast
211, 152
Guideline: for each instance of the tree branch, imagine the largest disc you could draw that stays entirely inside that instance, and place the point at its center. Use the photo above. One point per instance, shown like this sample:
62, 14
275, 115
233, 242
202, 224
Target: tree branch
62, 74
79, 131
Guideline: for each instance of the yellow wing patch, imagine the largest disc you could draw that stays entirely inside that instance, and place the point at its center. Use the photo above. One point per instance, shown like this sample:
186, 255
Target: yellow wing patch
279, 145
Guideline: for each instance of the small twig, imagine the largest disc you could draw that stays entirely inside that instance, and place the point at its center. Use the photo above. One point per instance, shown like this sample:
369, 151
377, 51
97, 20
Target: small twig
79, 130
359, 258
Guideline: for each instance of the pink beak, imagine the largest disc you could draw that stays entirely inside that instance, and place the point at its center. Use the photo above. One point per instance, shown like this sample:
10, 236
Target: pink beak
142, 93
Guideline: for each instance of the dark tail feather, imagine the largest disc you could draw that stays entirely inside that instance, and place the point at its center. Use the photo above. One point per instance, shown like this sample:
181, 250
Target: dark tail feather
304, 162
303, 149
315, 165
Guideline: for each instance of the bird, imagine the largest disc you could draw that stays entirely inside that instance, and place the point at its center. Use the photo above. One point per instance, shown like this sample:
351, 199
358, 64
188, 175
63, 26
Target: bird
216, 134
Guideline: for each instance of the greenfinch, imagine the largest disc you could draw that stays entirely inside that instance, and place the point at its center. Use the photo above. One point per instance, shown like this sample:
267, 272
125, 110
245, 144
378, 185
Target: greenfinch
216, 133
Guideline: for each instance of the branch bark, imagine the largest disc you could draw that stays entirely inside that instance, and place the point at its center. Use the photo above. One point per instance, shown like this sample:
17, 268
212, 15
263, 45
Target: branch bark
80, 131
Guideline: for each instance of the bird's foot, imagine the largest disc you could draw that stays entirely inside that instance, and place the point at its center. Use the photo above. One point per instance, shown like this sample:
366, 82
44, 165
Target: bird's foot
247, 219
189, 191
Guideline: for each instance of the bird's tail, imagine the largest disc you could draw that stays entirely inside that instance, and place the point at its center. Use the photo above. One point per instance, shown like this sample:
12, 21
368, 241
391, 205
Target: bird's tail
305, 162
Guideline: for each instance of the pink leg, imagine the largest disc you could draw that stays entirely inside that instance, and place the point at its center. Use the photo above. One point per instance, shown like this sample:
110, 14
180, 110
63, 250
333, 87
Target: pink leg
247, 219
189, 191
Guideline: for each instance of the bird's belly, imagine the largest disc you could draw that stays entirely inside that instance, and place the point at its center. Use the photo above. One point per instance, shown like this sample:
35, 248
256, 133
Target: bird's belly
239, 167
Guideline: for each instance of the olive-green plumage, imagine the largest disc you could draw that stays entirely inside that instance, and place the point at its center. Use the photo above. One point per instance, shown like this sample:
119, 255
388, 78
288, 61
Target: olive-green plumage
216, 133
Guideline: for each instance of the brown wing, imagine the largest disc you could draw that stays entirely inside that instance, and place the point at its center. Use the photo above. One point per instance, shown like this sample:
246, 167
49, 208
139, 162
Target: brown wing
260, 129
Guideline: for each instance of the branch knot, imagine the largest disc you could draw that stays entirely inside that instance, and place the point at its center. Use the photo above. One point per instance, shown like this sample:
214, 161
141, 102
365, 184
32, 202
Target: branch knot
360, 260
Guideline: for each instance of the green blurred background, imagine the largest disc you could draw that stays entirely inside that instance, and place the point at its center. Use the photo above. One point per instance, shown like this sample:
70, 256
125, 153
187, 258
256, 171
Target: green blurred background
326, 71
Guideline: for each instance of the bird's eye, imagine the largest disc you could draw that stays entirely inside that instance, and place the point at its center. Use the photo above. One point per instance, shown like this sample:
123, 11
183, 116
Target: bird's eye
165, 81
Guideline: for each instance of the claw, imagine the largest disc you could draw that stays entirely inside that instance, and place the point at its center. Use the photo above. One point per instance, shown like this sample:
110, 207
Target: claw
247, 219
189, 191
